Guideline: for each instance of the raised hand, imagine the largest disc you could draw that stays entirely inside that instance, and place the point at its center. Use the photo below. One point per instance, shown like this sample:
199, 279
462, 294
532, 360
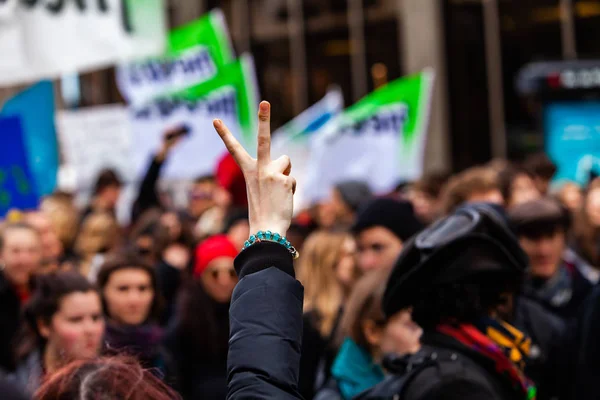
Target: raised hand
269, 184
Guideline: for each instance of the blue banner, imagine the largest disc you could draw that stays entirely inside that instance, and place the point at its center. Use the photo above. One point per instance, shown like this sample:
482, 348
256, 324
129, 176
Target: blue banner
35, 108
573, 139
16, 190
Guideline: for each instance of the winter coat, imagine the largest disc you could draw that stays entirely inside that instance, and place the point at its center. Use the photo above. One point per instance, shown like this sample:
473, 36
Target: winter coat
10, 321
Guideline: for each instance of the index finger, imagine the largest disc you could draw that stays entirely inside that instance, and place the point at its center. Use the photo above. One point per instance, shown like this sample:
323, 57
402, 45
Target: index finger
237, 151
263, 151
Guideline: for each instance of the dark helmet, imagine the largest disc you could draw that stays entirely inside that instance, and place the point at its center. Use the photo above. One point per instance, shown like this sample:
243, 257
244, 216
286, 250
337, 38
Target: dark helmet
475, 241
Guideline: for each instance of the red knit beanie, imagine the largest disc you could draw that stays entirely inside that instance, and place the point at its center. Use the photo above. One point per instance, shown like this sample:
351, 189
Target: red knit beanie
230, 177
211, 249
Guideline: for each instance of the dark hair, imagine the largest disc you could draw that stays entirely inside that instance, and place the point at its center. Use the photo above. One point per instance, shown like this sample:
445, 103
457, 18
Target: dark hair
205, 179
507, 177
462, 302
128, 260
203, 328
540, 165
119, 378
149, 225
538, 218
48, 292
106, 178
432, 184
13, 226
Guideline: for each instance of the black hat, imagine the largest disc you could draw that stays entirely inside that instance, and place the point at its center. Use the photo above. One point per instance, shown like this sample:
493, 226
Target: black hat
537, 217
473, 241
354, 193
397, 216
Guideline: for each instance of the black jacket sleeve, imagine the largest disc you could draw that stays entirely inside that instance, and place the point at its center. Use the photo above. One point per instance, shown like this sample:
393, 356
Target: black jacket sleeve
265, 326
148, 195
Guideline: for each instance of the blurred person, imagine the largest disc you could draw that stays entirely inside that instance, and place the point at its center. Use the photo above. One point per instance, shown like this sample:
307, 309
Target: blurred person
11, 391
367, 335
425, 196
586, 232
21, 256
571, 196
517, 186
65, 323
323, 213
99, 235
381, 229
237, 227
148, 196
104, 378
201, 196
542, 169
132, 306
52, 247
64, 217
198, 338
477, 184
554, 279
107, 190
327, 271
346, 198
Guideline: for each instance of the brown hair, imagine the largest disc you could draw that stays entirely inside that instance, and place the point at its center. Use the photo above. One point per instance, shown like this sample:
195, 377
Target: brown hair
127, 260
364, 304
99, 231
316, 271
540, 165
106, 178
472, 181
585, 232
104, 378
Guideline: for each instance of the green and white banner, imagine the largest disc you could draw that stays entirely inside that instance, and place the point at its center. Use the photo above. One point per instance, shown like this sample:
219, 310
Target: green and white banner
196, 53
45, 39
231, 96
380, 139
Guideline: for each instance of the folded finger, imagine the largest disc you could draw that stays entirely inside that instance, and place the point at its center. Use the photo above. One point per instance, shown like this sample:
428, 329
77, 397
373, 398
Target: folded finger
239, 154
291, 182
283, 165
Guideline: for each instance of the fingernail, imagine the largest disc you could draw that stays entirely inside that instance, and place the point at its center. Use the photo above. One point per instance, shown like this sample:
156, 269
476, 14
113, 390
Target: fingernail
217, 123
264, 106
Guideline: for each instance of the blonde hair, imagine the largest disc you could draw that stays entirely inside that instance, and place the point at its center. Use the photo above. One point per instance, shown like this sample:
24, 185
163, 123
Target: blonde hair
323, 293
63, 216
471, 181
99, 231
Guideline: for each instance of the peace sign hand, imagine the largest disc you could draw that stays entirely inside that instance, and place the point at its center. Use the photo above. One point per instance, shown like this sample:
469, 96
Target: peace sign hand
269, 184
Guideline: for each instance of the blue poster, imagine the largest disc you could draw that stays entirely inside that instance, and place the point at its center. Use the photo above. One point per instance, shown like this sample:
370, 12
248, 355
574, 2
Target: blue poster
16, 189
35, 107
572, 139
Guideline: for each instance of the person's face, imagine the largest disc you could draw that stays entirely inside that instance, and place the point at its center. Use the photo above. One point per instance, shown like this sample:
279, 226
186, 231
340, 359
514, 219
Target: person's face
111, 194
401, 335
340, 209
239, 233
201, 198
325, 214
51, 244
523, 189
77, 328
593, 207
572, 198
21, 255
492, 196
129, 296
346, 267
173, 224
378, 248
219, 279
544, 253
145, 248
423, 205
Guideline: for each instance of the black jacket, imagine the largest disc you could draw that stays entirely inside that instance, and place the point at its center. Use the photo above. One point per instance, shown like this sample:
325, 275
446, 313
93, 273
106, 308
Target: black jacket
265, 326
454, 372
10, 321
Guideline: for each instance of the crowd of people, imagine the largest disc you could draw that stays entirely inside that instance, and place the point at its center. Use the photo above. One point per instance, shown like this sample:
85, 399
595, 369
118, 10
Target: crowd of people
468, 286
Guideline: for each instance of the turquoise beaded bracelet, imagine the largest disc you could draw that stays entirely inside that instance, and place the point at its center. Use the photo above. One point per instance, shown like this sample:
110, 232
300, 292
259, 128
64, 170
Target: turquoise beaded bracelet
268, 236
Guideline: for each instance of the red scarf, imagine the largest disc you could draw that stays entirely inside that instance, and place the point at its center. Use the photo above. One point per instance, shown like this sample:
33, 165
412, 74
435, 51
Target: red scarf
497, 350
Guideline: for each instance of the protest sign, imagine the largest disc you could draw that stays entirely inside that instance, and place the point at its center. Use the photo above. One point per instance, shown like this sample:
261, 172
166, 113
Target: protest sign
293, 139
44, 39
380, 139
35, 108
16, 188
95, 138
195, 54
231, 96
